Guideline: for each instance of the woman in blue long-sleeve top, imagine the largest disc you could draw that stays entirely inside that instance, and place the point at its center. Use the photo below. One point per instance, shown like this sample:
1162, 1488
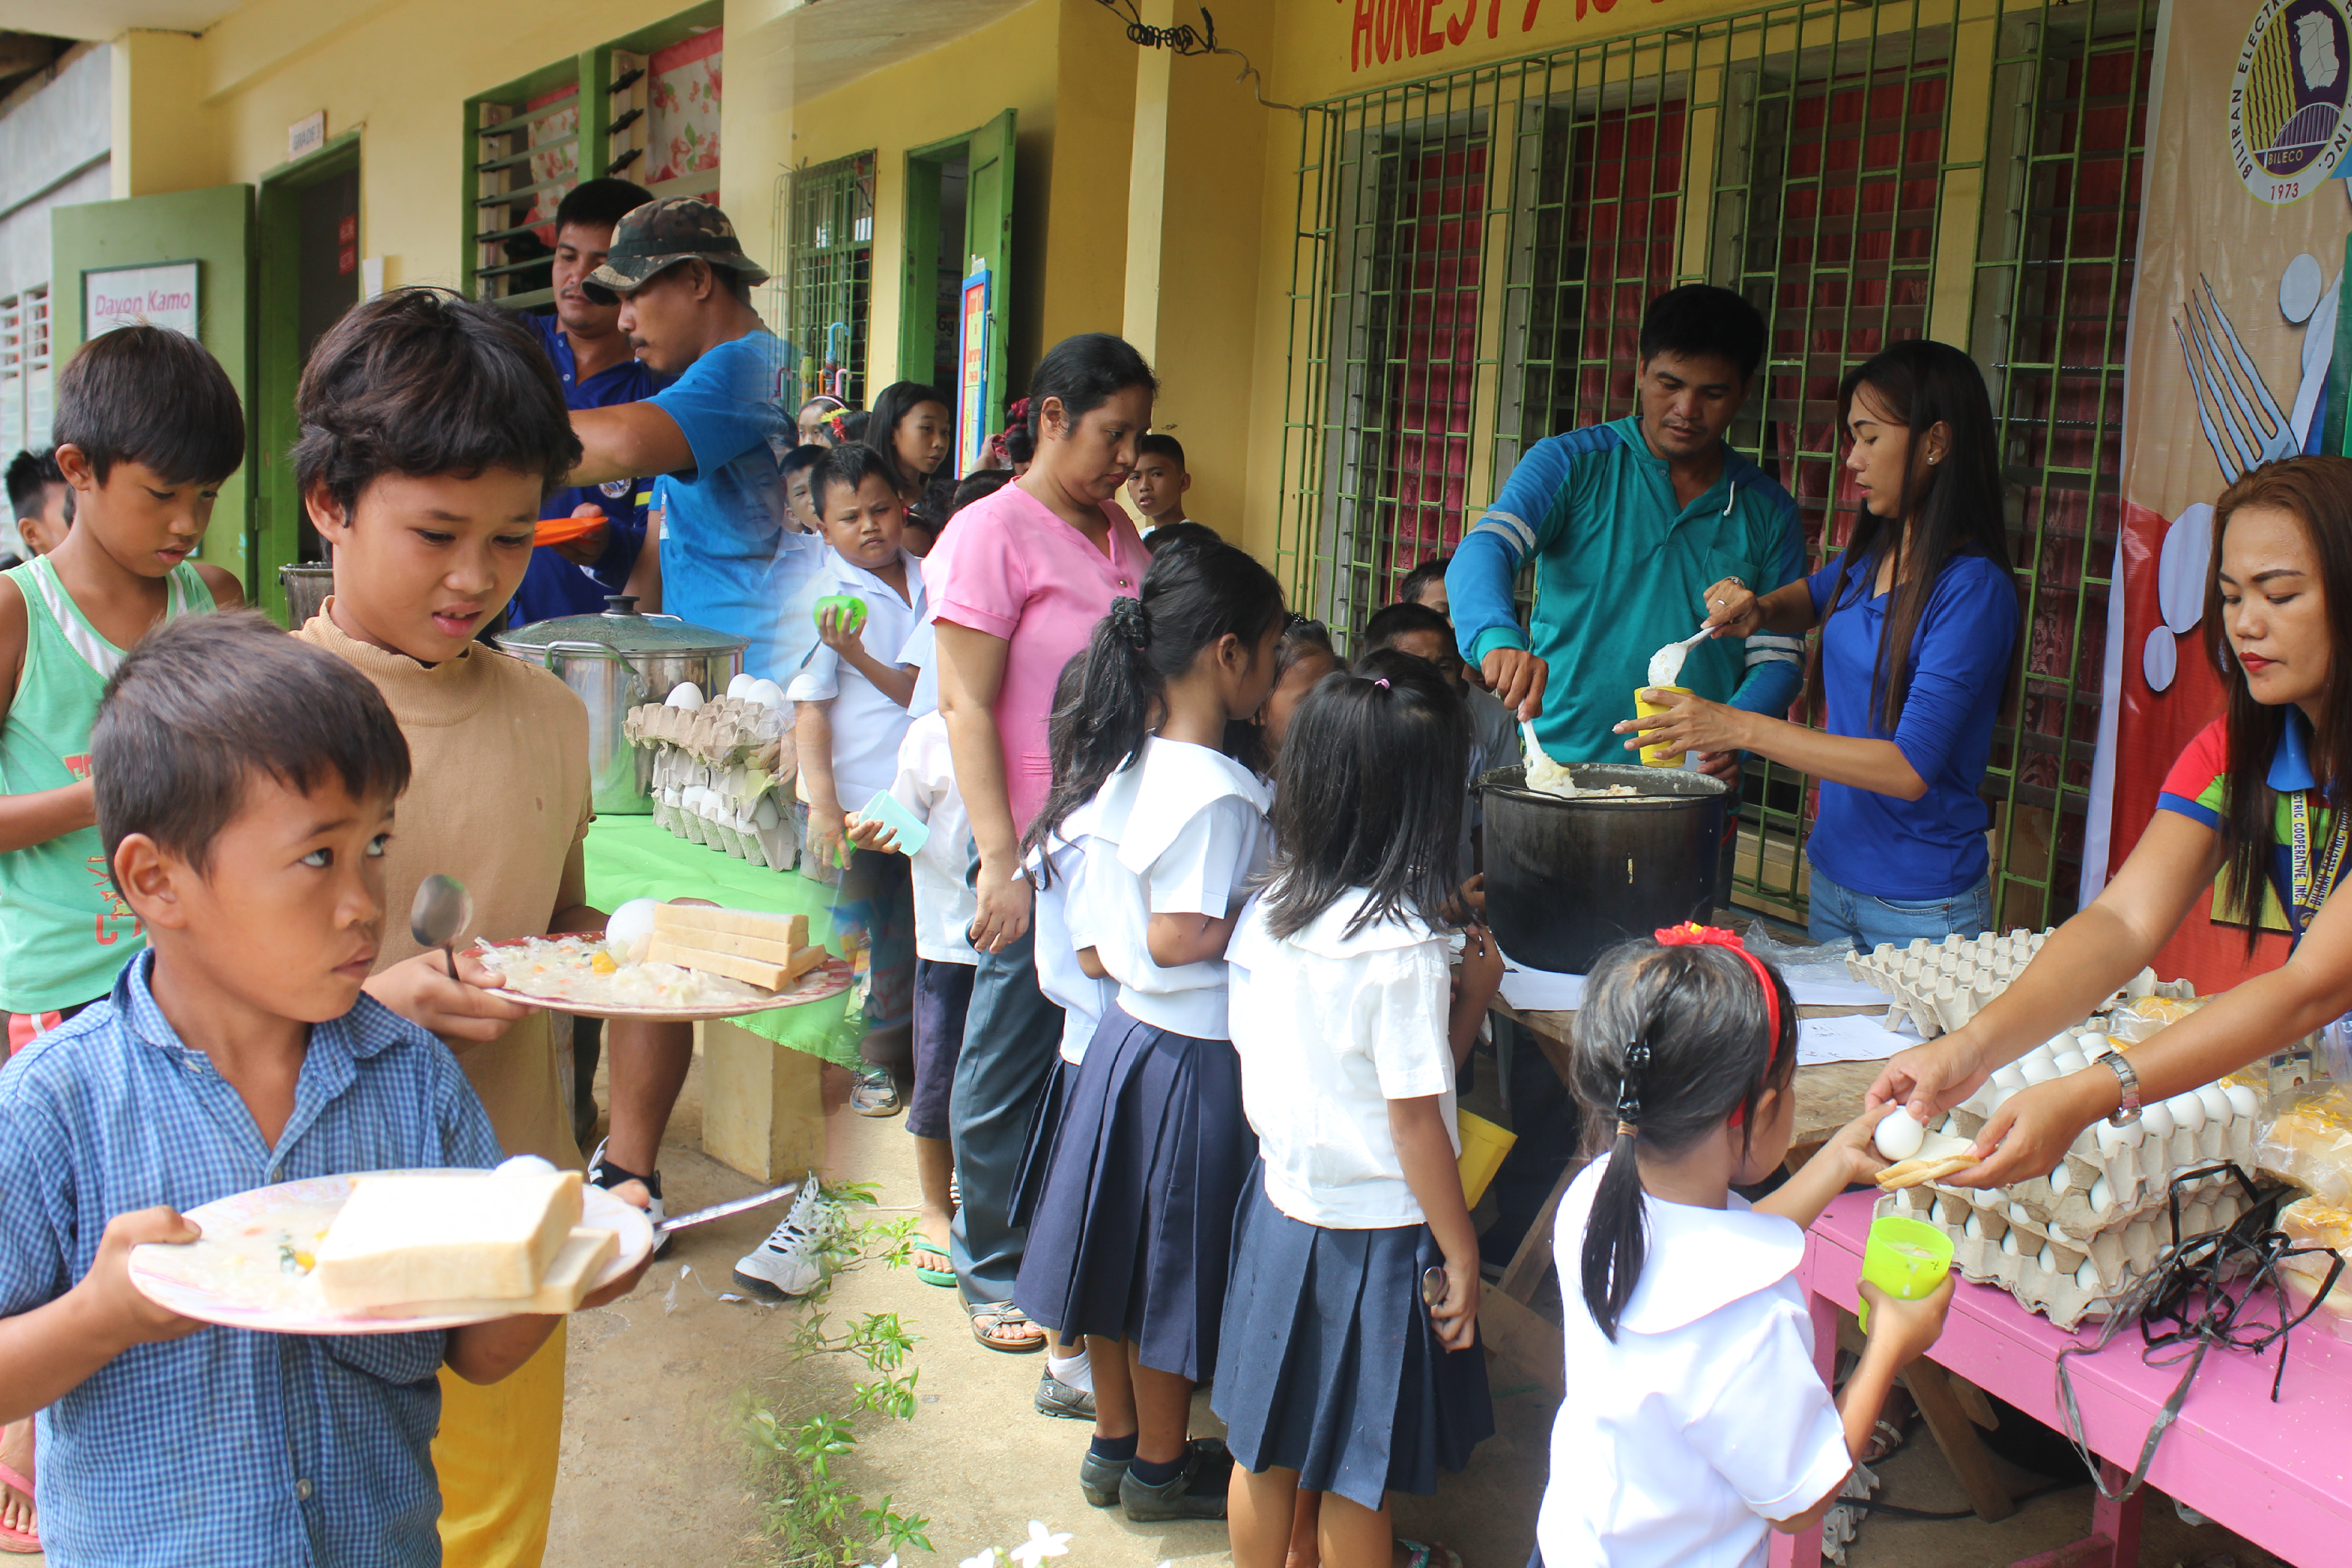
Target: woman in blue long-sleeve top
1919, 618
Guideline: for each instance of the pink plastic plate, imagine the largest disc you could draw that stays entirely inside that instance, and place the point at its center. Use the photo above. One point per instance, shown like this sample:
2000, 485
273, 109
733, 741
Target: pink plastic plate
242, 1274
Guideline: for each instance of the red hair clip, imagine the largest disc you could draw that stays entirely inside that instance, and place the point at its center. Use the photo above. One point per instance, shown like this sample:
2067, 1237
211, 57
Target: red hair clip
1690, 933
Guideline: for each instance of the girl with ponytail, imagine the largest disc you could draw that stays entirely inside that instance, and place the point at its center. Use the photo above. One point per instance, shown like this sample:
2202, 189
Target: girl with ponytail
1131, 1235
1703, 1420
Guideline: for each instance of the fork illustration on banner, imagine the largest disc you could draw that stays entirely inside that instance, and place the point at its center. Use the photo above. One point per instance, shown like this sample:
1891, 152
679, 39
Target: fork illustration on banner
2229, 390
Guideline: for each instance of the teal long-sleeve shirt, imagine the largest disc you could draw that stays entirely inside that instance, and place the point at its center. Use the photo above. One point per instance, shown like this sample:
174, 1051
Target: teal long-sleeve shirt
1620, 569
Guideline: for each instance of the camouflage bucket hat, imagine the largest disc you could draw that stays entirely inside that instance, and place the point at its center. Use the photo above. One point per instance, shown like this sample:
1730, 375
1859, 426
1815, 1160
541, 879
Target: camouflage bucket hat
667, 231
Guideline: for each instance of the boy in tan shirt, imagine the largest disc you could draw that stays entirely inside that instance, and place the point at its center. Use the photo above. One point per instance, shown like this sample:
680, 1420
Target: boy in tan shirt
432, 428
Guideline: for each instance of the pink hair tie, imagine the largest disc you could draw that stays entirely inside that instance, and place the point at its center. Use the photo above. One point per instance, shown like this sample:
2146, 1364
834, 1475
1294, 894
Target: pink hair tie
1382, 683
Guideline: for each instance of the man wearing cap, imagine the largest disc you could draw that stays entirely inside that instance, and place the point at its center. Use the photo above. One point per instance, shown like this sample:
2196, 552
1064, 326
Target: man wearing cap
728, 559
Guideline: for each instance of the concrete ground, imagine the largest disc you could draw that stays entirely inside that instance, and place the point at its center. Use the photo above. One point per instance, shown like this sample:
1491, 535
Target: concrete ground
655, 1467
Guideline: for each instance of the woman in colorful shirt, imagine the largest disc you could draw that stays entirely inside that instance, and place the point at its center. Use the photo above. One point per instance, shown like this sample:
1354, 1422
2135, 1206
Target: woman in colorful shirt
1918, 622
2256, 800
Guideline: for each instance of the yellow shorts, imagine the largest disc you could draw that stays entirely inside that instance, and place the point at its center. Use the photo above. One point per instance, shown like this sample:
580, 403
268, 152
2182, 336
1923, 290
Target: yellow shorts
495, 1455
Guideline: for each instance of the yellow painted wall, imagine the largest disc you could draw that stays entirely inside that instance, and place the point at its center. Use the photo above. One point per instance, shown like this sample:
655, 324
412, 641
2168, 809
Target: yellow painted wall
1064, 68
216, 109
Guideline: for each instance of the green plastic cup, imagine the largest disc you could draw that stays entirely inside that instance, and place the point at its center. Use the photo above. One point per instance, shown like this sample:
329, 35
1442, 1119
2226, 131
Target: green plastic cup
1905, 1257
850, 604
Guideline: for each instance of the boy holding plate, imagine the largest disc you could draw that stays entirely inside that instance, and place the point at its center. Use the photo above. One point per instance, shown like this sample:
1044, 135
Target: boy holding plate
245, 793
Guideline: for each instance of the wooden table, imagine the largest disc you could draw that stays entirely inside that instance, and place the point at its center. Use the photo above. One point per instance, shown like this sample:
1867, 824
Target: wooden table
2276, 1474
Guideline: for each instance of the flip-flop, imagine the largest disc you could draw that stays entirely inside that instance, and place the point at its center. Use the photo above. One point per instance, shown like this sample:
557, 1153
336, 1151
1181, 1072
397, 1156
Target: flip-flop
933, 1276
1005, 1313
17, 1541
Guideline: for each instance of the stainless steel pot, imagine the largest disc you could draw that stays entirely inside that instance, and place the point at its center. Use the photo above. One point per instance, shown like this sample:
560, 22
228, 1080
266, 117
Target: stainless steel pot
619, 660
306, 586
1566, 877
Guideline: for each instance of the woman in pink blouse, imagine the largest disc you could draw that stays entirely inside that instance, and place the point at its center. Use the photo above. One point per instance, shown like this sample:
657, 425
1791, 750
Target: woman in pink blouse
1018, 584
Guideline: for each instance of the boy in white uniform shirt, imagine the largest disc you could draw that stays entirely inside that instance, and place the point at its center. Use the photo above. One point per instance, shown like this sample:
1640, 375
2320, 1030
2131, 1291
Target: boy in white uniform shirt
849, 717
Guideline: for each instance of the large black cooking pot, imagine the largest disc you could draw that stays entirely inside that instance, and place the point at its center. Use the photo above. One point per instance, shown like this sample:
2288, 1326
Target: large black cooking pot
1566, 877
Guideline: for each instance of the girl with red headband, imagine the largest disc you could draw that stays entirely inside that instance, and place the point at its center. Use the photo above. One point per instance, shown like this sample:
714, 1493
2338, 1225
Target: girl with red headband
1700, 1420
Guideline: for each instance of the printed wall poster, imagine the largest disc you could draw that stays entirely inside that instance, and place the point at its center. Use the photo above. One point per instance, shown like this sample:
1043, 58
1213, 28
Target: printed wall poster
2234, 335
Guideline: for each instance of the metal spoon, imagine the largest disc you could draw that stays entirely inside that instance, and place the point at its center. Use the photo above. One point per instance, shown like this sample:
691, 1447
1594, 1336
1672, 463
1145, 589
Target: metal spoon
440, 913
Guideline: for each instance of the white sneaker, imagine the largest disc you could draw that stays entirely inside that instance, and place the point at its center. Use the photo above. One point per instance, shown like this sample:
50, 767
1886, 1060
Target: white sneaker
786, 1264
653, 1211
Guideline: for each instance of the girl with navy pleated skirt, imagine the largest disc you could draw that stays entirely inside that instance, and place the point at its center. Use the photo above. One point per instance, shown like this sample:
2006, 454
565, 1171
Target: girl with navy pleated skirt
1132, 1234
1071, 976
1349, 1363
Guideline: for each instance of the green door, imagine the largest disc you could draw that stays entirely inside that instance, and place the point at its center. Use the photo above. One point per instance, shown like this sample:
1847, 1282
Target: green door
213, 228
988, 240
942, 250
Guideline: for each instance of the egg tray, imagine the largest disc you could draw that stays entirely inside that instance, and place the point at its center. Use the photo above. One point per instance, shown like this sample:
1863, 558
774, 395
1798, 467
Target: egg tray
1937, 987
2069, 1279
2107, 1178
772, 844
724, 731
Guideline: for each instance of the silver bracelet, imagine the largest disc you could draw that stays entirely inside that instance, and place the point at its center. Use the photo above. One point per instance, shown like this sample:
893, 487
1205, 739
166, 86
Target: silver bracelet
2128, 1105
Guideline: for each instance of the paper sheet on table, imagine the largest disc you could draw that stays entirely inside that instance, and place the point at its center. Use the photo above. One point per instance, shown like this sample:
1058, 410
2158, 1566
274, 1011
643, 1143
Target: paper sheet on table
1862, 1039
1546, 991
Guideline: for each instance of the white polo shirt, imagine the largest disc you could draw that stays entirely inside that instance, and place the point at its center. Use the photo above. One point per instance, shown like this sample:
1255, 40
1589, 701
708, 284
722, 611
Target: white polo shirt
944, 901
1182, 830
1707, 1418
1059, 914
866, 725
1330, 1028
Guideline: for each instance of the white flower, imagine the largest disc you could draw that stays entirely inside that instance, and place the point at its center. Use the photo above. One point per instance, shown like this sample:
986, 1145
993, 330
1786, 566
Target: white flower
892, 1562
1042, 1543
987, 1559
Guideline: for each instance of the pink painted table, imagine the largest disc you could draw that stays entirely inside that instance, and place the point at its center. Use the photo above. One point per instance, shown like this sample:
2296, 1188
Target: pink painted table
2280, 1475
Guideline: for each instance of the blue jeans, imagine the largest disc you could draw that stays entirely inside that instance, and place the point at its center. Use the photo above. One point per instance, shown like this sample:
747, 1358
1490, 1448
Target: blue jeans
1865, 921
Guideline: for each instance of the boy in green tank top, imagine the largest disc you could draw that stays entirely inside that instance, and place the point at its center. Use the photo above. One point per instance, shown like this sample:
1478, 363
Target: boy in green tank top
148, 428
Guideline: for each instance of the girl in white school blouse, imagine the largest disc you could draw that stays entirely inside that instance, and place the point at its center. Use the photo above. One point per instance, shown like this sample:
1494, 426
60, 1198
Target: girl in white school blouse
1700, 1421
1340, 1381
1132, 1235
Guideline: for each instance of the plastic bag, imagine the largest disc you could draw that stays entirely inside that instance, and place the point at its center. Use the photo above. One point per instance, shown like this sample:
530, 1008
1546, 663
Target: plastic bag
2309, 1222
2308, 1141
1822, 965
2150, 1015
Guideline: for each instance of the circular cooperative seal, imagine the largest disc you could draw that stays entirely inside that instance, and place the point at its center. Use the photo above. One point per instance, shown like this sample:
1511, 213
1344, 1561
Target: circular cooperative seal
2289, 125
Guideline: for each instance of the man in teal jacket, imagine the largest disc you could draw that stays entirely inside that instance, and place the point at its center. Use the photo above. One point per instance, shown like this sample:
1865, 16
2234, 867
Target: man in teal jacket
1630, 524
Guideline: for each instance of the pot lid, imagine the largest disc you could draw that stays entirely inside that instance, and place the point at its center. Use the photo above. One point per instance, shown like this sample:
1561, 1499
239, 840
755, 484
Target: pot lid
621, 628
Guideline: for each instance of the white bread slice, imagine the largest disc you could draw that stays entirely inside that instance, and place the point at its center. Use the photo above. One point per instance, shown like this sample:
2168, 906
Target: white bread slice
446, 1237
583, 1256
759, 949
750, 971
675, 921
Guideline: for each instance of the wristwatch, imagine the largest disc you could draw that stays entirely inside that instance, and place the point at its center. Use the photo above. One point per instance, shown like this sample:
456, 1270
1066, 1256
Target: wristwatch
2128, 1105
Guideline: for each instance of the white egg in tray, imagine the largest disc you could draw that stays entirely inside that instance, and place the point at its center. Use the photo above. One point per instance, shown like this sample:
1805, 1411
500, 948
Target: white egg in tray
1937, 987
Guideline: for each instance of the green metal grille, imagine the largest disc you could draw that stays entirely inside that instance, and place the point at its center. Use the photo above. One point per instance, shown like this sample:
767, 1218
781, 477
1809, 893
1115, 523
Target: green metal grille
1473, 253
826, 266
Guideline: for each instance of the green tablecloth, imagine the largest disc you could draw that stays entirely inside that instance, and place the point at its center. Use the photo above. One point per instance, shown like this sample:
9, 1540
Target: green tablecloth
630, 857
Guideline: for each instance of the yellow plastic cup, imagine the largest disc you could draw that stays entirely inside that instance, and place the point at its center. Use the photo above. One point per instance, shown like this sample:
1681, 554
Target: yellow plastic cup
1657, 756
1484, 1144
1905, 1257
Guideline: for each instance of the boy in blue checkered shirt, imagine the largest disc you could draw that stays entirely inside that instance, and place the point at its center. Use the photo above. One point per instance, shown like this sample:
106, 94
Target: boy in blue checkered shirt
246, 784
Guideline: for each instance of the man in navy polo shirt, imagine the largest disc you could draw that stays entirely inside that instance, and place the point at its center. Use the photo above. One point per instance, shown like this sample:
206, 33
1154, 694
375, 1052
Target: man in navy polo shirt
598, 367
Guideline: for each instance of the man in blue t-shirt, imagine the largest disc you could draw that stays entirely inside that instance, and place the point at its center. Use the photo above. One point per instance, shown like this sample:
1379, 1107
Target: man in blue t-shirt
593, 359
1629, 523
730, 556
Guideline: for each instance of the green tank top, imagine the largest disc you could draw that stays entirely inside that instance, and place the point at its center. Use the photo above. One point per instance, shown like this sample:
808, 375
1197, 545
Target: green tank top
63, 934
